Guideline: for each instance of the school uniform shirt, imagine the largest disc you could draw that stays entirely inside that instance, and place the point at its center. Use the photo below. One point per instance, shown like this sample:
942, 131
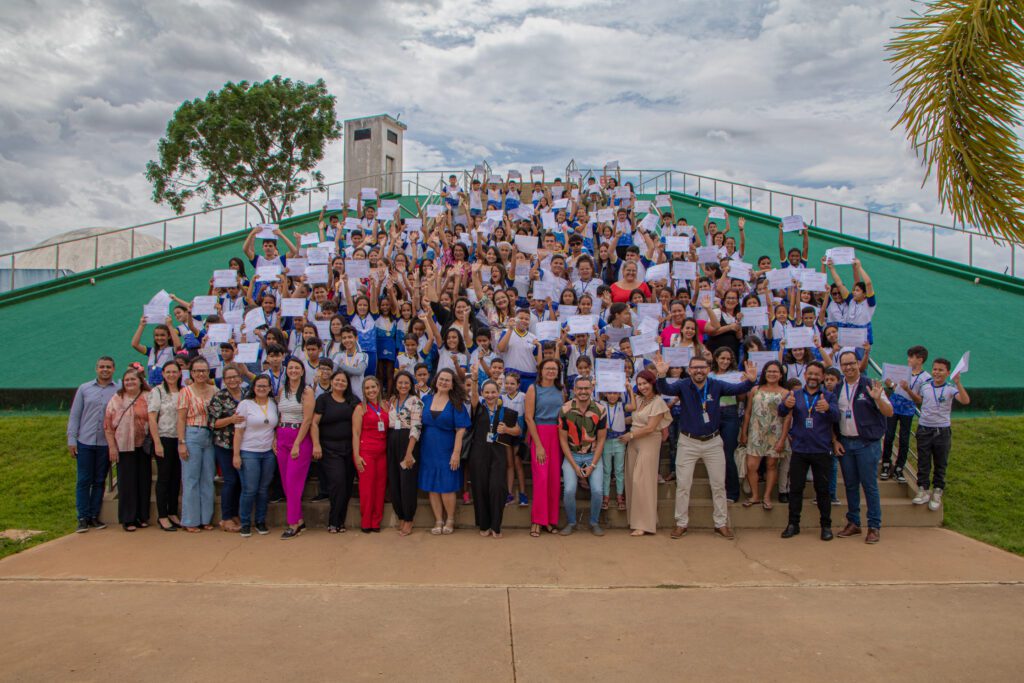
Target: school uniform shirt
902, 404
616, 418
936, 404
520, 353
859, 313
516, 403
451, 361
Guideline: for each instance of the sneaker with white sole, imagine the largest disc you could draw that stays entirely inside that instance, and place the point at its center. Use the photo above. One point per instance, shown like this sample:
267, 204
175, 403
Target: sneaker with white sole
936, 502
922, 497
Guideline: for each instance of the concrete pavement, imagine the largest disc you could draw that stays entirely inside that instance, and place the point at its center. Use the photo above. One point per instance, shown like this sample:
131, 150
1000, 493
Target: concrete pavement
925, 604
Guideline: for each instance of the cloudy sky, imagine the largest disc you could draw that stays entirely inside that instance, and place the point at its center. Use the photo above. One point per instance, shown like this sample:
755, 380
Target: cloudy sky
789, 92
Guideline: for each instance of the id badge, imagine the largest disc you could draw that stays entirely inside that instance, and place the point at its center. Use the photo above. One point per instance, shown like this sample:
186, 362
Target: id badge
380, 425
491, 437
707, 418
809, 423
849, 414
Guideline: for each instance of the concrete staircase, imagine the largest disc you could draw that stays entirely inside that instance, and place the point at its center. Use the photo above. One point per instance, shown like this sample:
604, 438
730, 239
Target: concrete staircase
897, 509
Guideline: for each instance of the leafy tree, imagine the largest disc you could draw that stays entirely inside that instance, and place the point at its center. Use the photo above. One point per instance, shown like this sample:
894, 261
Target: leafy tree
960, 73
260, 142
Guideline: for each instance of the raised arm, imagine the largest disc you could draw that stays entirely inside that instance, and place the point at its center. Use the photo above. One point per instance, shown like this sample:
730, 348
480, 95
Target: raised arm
247, 245
860, 274
137, 337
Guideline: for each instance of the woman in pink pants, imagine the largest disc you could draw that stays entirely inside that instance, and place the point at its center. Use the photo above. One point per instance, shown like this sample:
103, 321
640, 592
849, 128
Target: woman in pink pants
294, 444
543, 401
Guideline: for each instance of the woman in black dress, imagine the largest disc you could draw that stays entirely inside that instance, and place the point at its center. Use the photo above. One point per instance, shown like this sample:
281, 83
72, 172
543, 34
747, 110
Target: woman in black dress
493, 430
332, 445
406, 422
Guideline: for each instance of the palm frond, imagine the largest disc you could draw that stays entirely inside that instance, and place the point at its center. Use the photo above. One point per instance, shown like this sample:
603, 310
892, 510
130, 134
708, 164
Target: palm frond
959, 72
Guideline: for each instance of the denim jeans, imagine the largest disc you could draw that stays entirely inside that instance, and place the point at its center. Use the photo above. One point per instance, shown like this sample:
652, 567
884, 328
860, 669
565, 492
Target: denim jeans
729, 427
257, 471
570, 482
231, 489
860, 469
93, 463
613, 459
197, 477
833, 483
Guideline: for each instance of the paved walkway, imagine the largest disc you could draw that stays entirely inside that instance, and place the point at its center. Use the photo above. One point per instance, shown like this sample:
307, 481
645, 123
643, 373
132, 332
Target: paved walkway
925, 604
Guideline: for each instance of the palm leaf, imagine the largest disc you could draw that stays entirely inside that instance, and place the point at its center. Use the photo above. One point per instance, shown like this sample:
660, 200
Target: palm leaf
959, 72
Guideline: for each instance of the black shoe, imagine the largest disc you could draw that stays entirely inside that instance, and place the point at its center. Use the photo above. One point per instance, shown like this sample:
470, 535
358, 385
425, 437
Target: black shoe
826, 534
366, 531
885, 472
790, 531
278, 499
83, 526
900, 477
291, 533
261, 528
95, 523
375, 530
245, 531
320, 496
783, 498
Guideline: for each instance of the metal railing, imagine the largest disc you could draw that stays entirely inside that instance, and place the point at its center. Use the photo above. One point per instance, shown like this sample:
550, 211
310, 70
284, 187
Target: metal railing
954, 243
85, 253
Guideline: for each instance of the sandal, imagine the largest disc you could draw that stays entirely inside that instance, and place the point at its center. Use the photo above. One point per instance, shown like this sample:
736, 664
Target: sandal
449, 527
207, 527
128, 527
438, 527
604, 503
622, 502
551, 529
637, 532
192, 529
751, 503
535, 531
332, 529
766, 504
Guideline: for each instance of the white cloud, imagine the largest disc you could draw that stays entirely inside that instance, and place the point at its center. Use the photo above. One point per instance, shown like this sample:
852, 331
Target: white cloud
789, 92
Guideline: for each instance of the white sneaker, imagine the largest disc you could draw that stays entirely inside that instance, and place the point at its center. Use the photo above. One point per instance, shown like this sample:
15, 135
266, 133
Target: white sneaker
936, 501
922, 496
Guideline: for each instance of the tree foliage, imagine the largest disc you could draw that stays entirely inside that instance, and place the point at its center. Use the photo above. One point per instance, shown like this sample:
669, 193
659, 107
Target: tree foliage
260, 142
959, 71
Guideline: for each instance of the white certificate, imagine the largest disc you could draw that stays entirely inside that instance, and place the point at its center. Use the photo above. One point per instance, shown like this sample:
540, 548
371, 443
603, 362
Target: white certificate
622, 192
609, 365
677, 244
234, 317
536, 170
755, 316
316, 274
841, 256
644, 206
334, 205
760, 358
495, 214
247, 353
644, 344
317, 256
525, 212
739, 270
413, 224
716, 213
684, 270
853, 336
897, 373
323, 329
225, 278
548, 220
433, 211
357, 268
309, 239
799, 337
581, 324
813, 281
527, 244
515, 175
268, 273
962, 365
616, 334
663, 201
648, 326
707, 254
605, 215
217, 333
649, 222
779, 278
293, 306
560, 203
368, 193
297, 266
565, 311
541, 290
331, 247
212, 356
266, 231
658, 272
652, 311
156, 314
204, 305
612, 165
353, 224
792, 223
677, 356
611, 382
548, 330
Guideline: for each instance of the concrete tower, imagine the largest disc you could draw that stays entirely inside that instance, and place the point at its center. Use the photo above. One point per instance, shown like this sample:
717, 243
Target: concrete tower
373, 154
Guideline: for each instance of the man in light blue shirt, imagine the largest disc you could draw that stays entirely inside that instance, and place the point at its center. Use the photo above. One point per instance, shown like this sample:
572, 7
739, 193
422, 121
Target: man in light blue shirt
88, 445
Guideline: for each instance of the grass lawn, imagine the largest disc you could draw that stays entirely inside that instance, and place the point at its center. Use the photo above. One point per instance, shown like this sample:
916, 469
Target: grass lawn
985, 482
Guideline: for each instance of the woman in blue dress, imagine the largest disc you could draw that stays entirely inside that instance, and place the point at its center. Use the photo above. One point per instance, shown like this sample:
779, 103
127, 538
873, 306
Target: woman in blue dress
445, 421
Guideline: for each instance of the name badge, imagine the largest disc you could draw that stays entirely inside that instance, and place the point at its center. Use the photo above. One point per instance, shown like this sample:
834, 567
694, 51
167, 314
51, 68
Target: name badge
707, 418
491, 437
849, 414
809, 423
380, 425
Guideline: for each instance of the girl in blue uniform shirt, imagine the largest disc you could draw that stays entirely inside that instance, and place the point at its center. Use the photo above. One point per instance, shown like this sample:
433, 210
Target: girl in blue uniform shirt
387, 340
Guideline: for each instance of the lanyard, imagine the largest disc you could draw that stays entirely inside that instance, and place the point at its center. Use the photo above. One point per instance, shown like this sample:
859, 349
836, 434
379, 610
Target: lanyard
807, 400
941, 396
266, 417
275, 382
500, 412
704, 396
846, 391
914, 379
376, 411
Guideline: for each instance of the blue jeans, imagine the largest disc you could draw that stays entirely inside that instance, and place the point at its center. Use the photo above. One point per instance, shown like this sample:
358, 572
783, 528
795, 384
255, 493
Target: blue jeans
729, 426
860, 469
613, 459
257, 471
93, 463
197, 477
570, 482
232, 486
833, 484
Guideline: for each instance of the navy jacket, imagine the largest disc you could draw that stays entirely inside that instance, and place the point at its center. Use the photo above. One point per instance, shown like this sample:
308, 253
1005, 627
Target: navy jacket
870, 420
691, 418
817, 439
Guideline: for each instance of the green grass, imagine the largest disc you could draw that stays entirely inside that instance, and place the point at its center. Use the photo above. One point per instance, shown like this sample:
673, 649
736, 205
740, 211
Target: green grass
985, 481
37, 479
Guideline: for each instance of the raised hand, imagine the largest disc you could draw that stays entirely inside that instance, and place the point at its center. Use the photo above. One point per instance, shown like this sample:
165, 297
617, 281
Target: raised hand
790, 400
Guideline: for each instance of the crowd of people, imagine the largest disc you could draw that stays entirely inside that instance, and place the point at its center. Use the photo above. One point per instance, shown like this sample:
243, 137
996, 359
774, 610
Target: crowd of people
567, 329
